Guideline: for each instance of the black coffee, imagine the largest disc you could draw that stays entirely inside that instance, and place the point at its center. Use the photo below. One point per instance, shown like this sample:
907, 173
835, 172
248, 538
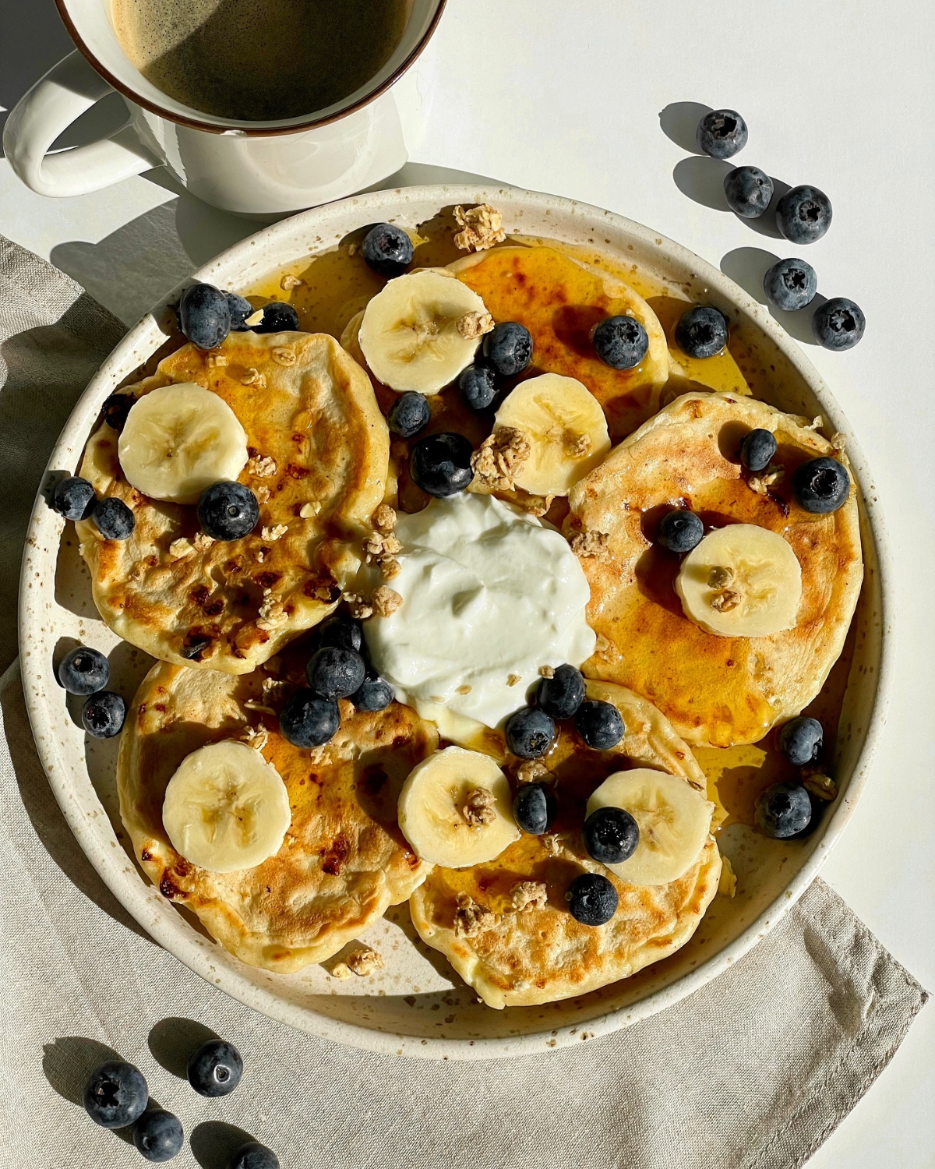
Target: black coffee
259, 60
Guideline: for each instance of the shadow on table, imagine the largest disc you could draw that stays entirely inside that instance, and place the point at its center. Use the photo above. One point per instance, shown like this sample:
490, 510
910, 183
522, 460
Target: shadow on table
173, 1041
213, 1143
679, 121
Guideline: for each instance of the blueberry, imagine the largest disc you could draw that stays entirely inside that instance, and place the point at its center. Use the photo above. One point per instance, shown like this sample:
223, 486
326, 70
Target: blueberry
441, 464
562, 694
592, 899
228, 510
620, 342
103, 714
73, 498
610, 835
838, 324
803, 214
478, 385
508, 348
114, 519
374, 693
529, 732
721, 133
278, 317
821, 486
204, 315
253, 1155
757, 450
784, 810
158, 1135
387, 249
801, 740
116, 408
115, 1094
335, 672
748, 190
702, 331
308, 720
790, 284
680, 531
83, 670
534, 808
341, 631
240, 308
409, 414
215, 1068
599, 724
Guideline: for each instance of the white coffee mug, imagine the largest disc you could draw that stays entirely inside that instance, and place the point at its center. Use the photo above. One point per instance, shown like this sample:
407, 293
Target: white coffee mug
247, 167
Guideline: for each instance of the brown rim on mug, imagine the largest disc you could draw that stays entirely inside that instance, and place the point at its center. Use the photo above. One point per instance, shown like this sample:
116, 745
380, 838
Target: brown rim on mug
264, 131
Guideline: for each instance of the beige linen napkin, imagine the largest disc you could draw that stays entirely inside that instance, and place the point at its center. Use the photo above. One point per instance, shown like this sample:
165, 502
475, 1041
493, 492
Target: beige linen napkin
751, 1072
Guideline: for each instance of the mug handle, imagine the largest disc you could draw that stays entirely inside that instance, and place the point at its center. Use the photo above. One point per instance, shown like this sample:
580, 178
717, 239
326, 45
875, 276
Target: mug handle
54, 102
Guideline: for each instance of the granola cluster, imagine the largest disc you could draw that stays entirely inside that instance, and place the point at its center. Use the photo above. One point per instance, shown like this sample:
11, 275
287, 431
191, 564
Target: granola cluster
478, 808
470, 917
481, 228
497, 460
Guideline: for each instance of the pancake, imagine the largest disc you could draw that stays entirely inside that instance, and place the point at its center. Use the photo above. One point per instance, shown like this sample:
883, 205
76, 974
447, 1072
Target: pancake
559, 300
541, 953
318, 441
716, 691
343, 861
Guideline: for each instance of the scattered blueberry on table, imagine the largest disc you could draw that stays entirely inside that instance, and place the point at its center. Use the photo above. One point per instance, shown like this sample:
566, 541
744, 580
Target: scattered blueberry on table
534, 808
253, 1155
228, 510
508, 348
721, 133
610, 835
784, 810
701, 331
838, 324
335, 672
592, 899
387, 249
600, 724
803, 214
680, 530
308, 720
73, 498
529, 732
478, 385
620, 342
113, 518
83, 670
821, 486
562, 694
410, 413
158, 1135
790, 284
104, 714
801, 740
757, 450
215, 1069
748, 191
115, 1094
441, 464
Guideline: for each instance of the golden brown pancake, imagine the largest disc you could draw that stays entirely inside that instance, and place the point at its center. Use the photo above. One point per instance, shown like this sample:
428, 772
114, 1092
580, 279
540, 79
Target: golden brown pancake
343, 861
318, 441
716, 691
541, 953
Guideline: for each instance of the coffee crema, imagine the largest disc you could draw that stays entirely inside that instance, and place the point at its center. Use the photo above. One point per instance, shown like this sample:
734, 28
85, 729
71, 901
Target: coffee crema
259, 60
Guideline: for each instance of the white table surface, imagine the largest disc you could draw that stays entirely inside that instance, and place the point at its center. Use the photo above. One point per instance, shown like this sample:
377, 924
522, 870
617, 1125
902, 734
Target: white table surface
567, 98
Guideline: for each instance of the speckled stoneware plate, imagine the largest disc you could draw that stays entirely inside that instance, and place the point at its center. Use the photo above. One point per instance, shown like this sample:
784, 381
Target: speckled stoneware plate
416, 1006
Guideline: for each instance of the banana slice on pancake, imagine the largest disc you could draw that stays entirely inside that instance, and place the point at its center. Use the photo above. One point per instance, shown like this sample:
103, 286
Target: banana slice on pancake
565, 427
674, 820
741, 581
455, 809
178, 440
421, 330
226, 808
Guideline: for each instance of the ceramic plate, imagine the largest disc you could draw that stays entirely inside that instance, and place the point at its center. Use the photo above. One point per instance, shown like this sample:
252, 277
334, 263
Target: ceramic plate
416, 1006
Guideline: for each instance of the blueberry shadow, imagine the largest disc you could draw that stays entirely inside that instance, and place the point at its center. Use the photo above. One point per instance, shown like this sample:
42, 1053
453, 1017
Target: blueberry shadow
174, 1040
747, 267
702, 178
213, 1143
679, 122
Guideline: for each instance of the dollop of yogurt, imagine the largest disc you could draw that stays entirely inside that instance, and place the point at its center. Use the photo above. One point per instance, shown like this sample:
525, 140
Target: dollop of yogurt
490, 594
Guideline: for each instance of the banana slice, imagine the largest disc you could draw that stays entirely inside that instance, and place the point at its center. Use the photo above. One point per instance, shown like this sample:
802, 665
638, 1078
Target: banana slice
674, 819
565, 427
421, 330
226, 808
741, 581
455, 809
180, 439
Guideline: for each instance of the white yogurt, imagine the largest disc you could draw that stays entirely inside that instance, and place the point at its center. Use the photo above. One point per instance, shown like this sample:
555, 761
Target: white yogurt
489, 594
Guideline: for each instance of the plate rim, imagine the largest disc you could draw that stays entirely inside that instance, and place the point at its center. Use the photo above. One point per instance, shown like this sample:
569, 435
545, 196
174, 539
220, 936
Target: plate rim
134, 895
